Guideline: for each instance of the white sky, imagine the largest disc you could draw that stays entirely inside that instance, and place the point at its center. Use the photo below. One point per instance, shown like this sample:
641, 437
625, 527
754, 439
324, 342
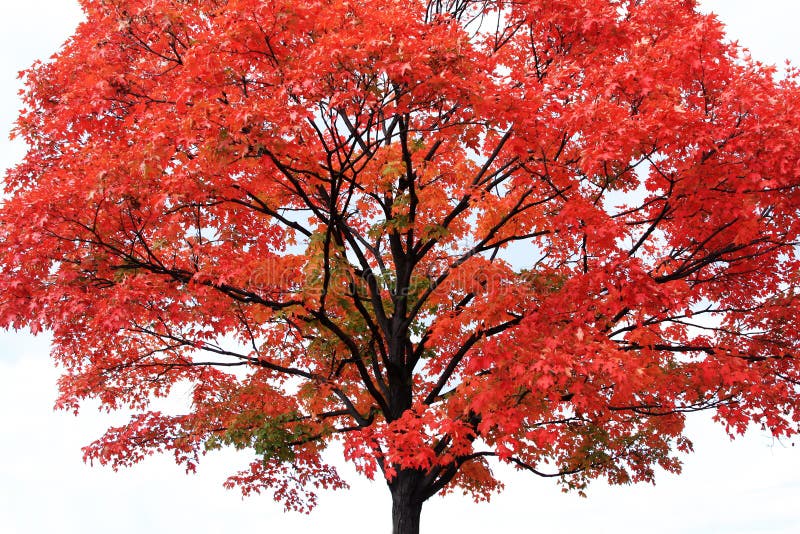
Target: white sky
748, 486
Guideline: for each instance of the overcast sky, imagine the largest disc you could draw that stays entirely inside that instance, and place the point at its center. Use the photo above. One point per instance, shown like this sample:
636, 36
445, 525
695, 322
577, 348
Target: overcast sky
748, 486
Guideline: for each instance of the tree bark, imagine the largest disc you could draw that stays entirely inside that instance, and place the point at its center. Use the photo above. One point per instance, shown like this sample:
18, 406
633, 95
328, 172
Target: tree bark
406, 504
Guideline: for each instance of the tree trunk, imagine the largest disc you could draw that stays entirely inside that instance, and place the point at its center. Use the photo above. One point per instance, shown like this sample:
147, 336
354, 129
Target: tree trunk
406, 504
405, 516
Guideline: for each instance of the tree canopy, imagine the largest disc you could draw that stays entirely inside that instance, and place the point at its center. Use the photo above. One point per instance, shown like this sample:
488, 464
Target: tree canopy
435, 232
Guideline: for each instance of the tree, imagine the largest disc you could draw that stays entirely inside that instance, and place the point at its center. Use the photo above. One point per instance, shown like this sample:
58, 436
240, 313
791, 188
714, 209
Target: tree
434, 232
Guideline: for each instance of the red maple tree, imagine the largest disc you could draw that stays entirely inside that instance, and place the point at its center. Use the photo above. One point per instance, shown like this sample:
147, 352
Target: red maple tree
436, 232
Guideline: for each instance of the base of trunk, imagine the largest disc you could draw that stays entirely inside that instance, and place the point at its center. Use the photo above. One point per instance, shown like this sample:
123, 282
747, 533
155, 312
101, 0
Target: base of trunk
405, 518
406, 505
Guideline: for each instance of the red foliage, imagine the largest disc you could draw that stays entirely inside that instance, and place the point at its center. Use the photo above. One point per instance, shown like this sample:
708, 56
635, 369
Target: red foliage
434, 231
